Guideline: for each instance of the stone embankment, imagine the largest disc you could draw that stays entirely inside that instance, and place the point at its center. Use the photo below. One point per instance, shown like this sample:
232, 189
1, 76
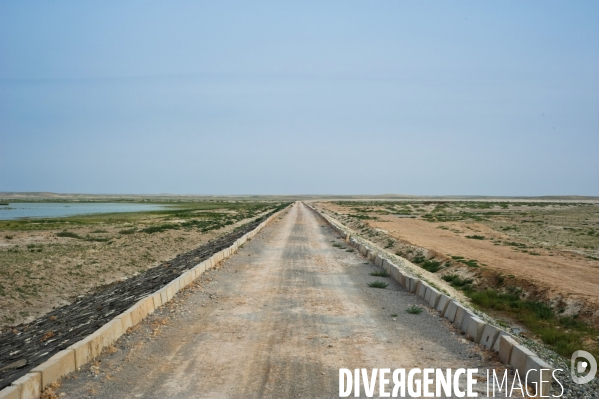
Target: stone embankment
36, 354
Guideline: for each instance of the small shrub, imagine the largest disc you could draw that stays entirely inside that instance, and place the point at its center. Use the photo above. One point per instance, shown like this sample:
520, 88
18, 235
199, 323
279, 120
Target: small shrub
455, 281
419, 259
128, 231
69, 234
380, 273
378, 284
414, 309
476, 237
431, 265
160, 228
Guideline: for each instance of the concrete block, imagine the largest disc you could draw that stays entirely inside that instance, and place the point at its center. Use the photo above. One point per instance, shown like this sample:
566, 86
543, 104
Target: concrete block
163, 295
126, 321
10, 392
451, 311
421, 289
442, 304
378, 261
372, 256
433, 297
427, 294
473, 327
86, 349
496, 344
29, 385
56, 367
171, 291
506, 346
459, 317
398, 275
111, 331
538, 375
520, 355
488, 337
467, 317
386, 265
157, 300
413, 284
401, 278
189, 277
137, 313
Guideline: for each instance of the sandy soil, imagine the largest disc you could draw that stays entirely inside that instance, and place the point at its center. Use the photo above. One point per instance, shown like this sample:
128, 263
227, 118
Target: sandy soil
563, 274
277, 320
550, 272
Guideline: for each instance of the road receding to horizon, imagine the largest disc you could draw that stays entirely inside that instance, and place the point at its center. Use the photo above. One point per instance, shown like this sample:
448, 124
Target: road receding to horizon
278, 319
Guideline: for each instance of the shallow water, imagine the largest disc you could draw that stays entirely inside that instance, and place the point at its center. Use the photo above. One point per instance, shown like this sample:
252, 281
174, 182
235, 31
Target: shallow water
50, 210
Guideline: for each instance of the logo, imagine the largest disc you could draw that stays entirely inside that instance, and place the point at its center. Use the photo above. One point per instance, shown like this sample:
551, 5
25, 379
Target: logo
581, 366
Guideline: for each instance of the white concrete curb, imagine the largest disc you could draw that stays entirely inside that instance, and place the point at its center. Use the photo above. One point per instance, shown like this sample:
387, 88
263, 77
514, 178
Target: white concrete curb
488, 336
31, 385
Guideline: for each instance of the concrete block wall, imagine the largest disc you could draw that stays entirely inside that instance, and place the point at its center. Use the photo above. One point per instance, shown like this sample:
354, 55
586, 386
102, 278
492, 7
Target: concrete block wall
31, 385
510, 352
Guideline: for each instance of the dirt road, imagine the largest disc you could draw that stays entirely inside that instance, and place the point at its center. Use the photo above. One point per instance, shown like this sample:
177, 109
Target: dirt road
277, 320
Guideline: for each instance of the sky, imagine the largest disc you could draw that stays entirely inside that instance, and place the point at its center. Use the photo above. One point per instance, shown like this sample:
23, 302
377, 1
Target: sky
310, 97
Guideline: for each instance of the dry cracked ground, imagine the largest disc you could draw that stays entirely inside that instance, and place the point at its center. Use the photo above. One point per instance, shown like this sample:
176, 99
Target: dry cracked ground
277, 320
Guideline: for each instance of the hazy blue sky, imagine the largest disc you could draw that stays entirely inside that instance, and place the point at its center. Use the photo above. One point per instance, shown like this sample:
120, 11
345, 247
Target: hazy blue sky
335, 97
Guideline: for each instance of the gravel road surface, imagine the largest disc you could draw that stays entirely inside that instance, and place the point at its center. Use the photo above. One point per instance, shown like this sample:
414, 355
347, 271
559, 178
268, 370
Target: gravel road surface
277, 320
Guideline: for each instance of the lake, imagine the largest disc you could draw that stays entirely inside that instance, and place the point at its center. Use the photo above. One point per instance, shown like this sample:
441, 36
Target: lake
19, 210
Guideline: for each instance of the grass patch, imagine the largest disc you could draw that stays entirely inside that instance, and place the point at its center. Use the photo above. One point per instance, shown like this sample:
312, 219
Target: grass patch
414, 309
380, 273
564, 334
393, 314
128, 231
378, 284
419, 259
476, 237
431, 265
160, 228
457, 282
69, 234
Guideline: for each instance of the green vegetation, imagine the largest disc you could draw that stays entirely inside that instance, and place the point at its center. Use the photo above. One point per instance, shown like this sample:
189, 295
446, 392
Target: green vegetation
69, 234
467, 262
414, 309
476, 237
378, 284
380, 273
455, 281
564, 334
431, 265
